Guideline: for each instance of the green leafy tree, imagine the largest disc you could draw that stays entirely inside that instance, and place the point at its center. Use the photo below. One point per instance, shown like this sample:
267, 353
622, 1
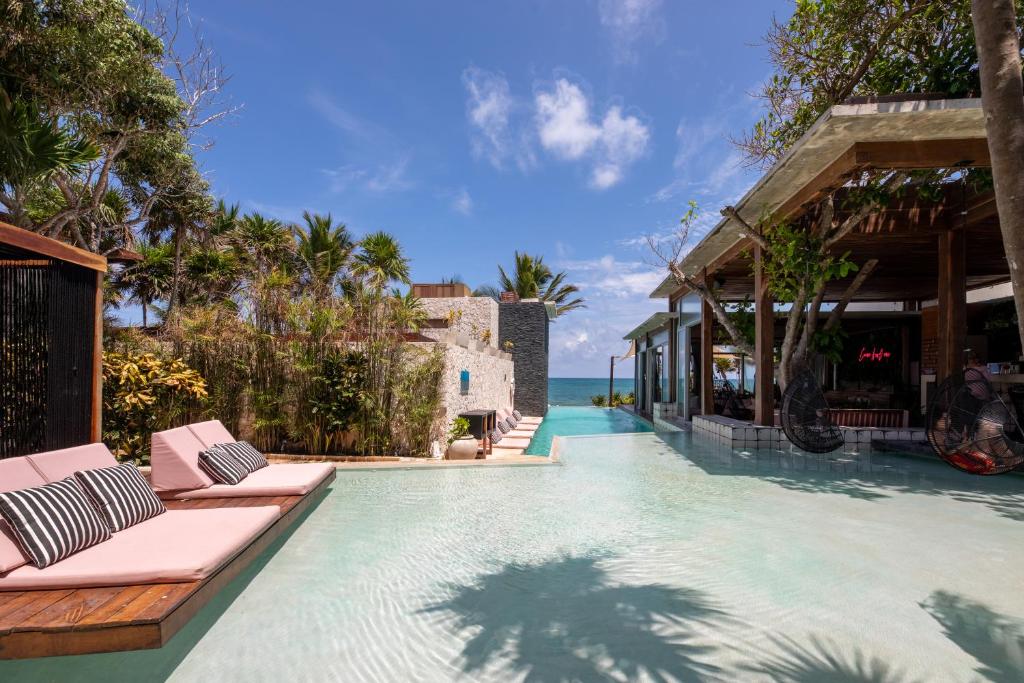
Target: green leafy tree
532, 279
324, 249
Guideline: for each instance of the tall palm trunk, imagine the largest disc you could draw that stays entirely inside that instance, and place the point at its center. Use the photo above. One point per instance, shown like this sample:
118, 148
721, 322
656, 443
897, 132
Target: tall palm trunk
1002, 96
172, 300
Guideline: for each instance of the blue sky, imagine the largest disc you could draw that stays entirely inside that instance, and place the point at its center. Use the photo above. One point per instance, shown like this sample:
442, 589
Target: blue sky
568, 129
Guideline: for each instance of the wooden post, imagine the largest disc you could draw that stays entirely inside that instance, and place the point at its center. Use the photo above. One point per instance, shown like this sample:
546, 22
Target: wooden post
96, 433
707, 350
764, 339
611, 380
952, 298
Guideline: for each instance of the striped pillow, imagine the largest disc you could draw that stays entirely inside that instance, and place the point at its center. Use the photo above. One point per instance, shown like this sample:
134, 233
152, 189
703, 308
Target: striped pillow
512, 421
53, 521
222, 467
495, 436
517, 415
121, 495
245, 453
505, 429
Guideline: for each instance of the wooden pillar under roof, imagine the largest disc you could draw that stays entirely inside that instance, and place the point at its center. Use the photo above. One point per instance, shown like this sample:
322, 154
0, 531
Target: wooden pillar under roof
764, 339
952, 298
707, 351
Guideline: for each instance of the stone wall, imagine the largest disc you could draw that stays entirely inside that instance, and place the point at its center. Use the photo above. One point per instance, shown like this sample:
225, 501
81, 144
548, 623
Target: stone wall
525, 324
491, 374
478, 319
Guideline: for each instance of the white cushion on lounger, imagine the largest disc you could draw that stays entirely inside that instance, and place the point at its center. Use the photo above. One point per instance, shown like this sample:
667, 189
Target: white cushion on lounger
15, 474
175, 461
211, 433
177, 546
59, 465
274, 480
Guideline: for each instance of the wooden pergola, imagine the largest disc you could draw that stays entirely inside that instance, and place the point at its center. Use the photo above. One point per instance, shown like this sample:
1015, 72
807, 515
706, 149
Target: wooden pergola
926, 248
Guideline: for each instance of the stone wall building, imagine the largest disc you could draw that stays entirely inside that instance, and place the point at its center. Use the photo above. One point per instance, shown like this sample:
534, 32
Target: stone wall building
523, 330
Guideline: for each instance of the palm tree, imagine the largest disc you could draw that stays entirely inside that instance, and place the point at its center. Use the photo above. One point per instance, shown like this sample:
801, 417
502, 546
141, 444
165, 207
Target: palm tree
380, 261
266, 243
323, 249
212, 275
407, 310
149, 279
532, 279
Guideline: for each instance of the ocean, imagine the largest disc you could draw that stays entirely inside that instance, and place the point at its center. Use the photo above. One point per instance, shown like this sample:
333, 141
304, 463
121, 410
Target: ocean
576, 391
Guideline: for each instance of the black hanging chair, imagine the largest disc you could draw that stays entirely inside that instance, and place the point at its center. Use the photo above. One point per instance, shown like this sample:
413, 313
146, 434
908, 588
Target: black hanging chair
971, 428
805, 416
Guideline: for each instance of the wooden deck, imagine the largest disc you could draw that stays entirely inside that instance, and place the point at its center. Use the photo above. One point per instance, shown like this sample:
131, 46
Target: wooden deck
89, 620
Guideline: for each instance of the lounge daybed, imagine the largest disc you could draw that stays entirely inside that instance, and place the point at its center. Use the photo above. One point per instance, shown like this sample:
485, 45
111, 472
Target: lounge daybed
175, 546
176, 474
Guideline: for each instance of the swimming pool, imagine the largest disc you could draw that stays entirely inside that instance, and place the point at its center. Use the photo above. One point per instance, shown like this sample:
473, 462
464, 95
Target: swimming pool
641, 556
579, 420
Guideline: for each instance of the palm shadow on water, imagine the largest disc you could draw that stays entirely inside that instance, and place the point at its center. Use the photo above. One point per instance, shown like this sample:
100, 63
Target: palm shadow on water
820, 660
995, 640
867, 476
565, 619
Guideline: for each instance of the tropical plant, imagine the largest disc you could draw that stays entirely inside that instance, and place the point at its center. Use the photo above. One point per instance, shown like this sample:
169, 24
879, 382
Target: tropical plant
338, 390
149, 279
143, 394
323, 251
532, 279
380, 261
599, 400
458, 429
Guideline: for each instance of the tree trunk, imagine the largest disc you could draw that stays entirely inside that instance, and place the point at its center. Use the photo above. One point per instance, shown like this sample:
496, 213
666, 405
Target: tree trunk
145, 321
172, 300
1002, 96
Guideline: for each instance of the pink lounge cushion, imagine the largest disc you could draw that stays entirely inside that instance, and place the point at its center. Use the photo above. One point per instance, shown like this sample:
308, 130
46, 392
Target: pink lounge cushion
15, 474
175, 461
211, 433
274, 480
59, 465
175, 547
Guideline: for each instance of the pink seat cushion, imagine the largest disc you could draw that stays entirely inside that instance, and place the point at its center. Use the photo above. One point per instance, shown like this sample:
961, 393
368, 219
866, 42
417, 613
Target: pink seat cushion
273, 480
15, 474
175, 461
211, 433
58, 465
175, 547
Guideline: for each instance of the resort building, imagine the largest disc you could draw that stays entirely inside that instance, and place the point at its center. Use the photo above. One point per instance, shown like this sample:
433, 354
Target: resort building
940, 287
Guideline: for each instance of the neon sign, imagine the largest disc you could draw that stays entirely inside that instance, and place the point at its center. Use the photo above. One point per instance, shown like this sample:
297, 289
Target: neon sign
875, 355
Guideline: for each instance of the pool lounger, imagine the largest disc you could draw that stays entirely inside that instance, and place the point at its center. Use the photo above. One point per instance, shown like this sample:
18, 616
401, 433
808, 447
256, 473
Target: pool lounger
176, 473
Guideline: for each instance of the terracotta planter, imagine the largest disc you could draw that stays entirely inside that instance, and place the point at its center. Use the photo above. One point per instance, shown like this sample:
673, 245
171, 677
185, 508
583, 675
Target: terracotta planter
462, 449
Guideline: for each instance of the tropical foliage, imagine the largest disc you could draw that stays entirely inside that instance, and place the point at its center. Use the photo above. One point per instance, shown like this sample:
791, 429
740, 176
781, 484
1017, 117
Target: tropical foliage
532, 279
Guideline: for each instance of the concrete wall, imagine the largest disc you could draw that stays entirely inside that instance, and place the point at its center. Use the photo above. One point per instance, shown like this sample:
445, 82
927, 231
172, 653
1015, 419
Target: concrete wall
491, 374
525, 324
479, 315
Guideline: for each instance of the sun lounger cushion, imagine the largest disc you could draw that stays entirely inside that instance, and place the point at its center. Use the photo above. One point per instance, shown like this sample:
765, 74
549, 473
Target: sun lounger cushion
222, 467
59, 465
517, 415
211, 432
53, 521
245, 453
177, 546
175, 460
15, 474
503, 427
275, 480
121, 495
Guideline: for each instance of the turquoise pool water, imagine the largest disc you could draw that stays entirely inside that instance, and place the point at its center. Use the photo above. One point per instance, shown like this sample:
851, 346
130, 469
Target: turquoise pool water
641, 557
578, 421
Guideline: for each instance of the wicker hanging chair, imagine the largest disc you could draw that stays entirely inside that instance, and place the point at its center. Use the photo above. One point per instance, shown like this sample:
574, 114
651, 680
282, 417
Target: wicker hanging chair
971, 428
805, 416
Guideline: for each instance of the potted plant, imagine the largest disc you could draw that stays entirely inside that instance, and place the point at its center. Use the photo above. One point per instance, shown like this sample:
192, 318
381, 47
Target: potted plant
461, 444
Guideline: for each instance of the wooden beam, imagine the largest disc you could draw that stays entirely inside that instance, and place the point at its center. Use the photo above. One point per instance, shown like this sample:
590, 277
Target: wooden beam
96, 432
922, 154
764, 339
952, 299
30, 241
707, 352
830, 178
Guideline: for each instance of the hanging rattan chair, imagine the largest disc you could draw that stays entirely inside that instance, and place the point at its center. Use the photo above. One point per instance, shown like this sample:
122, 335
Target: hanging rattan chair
805, 416
971, 428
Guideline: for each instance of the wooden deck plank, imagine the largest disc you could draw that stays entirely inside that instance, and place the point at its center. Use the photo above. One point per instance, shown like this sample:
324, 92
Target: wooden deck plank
92, 620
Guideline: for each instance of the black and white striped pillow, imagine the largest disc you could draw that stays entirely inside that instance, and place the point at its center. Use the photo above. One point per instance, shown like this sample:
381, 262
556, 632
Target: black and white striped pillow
222, 467
53, 521
121, 495
245, 453
517, 415
505, 429
495, 436
512, 421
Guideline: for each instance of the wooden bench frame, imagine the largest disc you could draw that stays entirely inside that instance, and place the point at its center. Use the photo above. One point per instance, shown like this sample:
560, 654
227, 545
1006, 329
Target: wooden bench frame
49, 623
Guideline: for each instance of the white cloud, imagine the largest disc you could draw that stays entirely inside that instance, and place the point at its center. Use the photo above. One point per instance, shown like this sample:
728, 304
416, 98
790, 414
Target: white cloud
629, 21
566, 130
706, 164
344, 120
382, 179
489, 109
462, 202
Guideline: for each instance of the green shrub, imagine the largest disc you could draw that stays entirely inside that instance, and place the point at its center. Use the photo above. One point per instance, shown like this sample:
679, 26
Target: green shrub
142, 394
459, 429
599, 400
